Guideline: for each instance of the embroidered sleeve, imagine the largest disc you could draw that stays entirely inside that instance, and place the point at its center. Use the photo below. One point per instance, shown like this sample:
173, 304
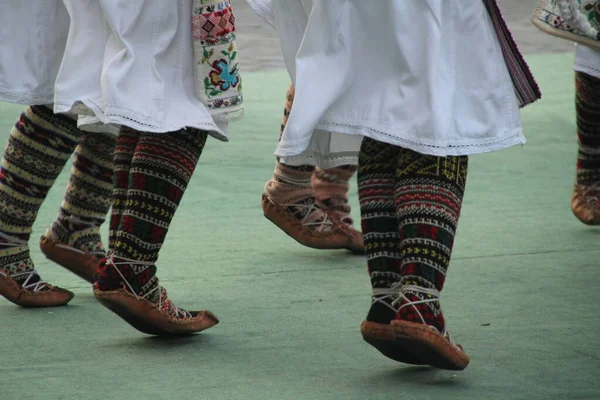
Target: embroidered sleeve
217, 77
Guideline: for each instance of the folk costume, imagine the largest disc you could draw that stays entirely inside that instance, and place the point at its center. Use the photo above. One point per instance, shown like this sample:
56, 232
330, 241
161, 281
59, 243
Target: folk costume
408, 89
307, 202
311, 204
162, 76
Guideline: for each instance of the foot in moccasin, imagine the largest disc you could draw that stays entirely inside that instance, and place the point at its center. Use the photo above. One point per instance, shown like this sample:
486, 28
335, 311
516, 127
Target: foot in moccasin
313, 227
331, 187
75, 245
290, 203
406, 325
585, 203
130, 289
19, 281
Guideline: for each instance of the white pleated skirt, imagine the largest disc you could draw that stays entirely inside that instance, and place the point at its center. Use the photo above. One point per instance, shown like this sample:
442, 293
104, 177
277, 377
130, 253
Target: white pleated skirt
111, 62
587, 60
427, 75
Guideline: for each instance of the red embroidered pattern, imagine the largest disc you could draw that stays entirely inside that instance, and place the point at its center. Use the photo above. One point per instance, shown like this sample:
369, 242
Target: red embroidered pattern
213, 25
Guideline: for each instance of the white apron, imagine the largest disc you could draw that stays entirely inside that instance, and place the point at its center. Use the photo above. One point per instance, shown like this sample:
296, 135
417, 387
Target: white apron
427, 75
112, 62
587, 60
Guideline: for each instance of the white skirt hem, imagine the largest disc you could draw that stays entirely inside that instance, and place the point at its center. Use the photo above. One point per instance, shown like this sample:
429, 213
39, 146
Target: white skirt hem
297, 153
324, 161
587, 60
113, 117
18, 97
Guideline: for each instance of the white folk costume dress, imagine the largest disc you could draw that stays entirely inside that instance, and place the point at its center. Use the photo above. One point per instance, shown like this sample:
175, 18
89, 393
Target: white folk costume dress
136, 63
428, 75
165, 68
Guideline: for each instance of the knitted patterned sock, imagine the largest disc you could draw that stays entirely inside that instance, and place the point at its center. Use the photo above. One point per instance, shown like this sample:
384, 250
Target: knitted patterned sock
38, 148
127, 141
287, 108
429, 192
376, 183
89, 195
588, 128
287, 178
291, 188
331, 188
160, 170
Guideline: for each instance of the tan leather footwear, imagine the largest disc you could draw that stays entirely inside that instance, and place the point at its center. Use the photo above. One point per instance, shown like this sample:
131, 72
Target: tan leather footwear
77, 261
324, 233
39, 294
410, 342
415, 343
585, 203
162, 318
151, 318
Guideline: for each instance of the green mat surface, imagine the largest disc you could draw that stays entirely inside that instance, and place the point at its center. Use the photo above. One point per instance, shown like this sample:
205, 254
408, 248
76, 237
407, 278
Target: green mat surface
521, 295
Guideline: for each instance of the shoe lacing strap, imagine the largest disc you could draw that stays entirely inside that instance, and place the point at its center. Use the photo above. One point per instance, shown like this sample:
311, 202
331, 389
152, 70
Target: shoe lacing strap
384, 295
322, 224
339, 208
97, 254
12, 241
396, 292
434, 293
173, 309
78, 221
416, 289
75, 220
591, 193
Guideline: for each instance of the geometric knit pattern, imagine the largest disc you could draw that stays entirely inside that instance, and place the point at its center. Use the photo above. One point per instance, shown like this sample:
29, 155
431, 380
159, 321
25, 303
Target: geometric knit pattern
410, 206
588, 128
38, 148
127, 140
291, 188
291, 178
429, 193
89, 195
332, 184
376, 190
331, 188
287, 109
160, 169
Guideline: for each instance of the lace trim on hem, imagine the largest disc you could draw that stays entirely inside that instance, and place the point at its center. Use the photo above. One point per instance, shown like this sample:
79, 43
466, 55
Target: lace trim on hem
128, 119
298, 149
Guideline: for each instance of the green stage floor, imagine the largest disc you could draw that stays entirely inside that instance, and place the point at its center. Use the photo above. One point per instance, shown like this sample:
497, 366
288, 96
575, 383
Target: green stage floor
521, 294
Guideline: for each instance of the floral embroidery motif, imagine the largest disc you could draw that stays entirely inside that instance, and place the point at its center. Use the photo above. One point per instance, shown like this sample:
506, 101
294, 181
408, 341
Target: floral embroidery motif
582, 21
218, 82
222, 76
